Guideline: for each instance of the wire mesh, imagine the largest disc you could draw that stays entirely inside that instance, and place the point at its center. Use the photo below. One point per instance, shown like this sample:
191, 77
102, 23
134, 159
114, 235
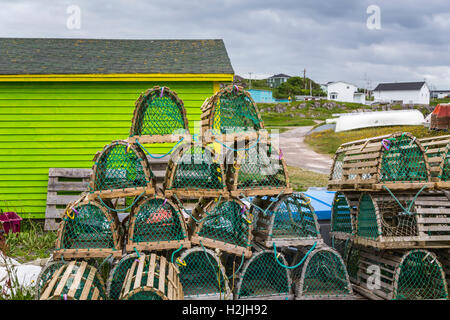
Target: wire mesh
338, 166
367, 219
118, 274
46, 273
445, 164
341, 216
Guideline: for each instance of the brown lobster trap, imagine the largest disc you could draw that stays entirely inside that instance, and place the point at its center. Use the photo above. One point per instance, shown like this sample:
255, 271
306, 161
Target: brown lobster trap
396, 161
405, 220
156, 223
195, 171
76, 280
159, 116
88, 230
230, 113
255, 168
404, 274
223, 224
287, 221
438, 154
121, 170
343, 215
152, 277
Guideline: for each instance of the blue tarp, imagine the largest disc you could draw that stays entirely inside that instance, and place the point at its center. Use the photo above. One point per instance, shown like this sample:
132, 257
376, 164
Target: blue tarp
321, 201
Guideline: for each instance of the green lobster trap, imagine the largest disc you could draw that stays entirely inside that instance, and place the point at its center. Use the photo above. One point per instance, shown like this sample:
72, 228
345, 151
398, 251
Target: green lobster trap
404, 274
256, 168
152, 277
159, 116
438, 153
156, 223
444, 257
228, 114
264, 276
223, 224
320, 273
202, 275
343, 215
88, 230
287, 221
117, 275
194, 171
76, 280
396, 161
45, 275
121, 170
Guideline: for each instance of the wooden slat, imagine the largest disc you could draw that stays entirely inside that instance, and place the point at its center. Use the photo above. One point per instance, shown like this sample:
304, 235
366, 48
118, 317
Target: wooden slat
151, 270
162, 274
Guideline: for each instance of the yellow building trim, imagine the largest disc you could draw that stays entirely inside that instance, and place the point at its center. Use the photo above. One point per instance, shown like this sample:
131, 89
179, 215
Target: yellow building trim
216, 86
121, 77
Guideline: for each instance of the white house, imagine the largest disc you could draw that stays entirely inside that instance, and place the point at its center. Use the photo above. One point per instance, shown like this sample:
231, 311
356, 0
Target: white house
439, 94
344, 92
403, 92
275, 80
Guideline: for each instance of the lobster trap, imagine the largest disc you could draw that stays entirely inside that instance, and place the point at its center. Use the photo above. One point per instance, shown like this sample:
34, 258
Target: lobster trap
202, 275
121, 170
265, 278
287, 221
256, 168
404, 275
405, 220
195, 171
223, 224
74, 281
320, 274
438, 153
152, 277
343, 215
159, 116
88, 230
156, 224
117, 276
45, 275
397, 161
229, 113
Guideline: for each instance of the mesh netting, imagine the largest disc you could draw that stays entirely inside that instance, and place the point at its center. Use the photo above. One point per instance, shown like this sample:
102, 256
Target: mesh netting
338, 166
158, 112
46, 273
420, 276
154, 220
445, 165
353, 263
367, 219
121, 166
341, 218
323, 274
342, 246
144, 295
403, 160
263, 276
118, 274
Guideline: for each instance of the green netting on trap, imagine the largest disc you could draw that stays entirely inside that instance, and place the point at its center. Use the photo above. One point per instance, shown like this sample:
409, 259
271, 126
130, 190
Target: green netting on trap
403, 160
121, 166
201, 275
342, 246
323, 274
118, 274
338, 166
196, 168
341, 218
226, 221
420, 277
46, 273
367, 218
260, 165
144, 295
155, 220
89, 227
159, 112
262, 275
445, 175
353, 263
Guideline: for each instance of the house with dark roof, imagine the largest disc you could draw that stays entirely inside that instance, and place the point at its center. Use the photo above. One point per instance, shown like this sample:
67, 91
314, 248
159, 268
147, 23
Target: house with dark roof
62, 100
277, 79
344, 92
403, 92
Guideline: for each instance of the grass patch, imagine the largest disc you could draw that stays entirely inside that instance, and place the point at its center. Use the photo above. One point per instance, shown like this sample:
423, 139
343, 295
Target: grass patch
285, 120
302, 179
328, 141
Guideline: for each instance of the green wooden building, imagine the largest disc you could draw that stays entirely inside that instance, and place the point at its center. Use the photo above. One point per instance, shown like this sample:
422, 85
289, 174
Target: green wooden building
62, 100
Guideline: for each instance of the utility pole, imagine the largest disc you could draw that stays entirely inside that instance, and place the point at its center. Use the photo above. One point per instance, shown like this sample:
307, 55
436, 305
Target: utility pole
250, 80
304, 77
310, 88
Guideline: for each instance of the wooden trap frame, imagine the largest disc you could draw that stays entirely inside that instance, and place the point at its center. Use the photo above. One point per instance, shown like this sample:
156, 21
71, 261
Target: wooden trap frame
152, 277
88, 230
223, 224
156, 223
76, 280
121, 170
396, 161
117, 275
159, 116
290, 221
438, 154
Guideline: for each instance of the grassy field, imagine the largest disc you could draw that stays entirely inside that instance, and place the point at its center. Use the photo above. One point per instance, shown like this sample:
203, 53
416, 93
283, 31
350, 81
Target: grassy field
302, 179
328, 141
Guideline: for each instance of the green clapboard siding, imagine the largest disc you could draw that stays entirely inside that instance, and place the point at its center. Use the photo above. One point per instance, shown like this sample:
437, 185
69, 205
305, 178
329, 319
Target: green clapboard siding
63, 124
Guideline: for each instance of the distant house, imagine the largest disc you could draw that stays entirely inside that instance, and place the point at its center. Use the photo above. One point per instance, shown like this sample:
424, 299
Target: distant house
439, 94
238, 80
344, 92
275, 80
403, 92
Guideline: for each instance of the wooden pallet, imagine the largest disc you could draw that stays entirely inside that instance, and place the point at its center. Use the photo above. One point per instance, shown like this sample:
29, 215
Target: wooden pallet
438, 152
357, 166
152, 274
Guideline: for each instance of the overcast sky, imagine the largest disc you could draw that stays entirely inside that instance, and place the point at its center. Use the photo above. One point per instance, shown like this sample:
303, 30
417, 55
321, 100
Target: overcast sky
330, 38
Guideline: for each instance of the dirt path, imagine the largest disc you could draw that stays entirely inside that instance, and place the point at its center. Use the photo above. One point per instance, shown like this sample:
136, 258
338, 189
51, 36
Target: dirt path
298, 154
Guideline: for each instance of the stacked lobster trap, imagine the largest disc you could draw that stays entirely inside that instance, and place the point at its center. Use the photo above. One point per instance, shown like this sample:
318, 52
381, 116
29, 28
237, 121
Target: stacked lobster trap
390, 213
225, 247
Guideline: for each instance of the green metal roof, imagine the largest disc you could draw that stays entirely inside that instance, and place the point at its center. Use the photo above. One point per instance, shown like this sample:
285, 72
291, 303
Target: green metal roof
100, 56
